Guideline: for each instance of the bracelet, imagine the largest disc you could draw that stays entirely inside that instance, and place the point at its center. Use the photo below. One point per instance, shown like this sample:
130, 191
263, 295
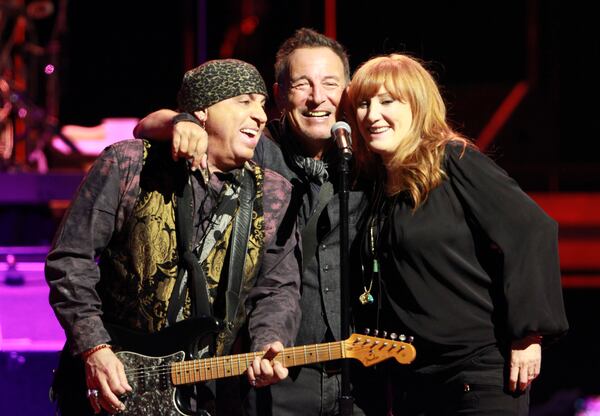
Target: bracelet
85, 355
185, 117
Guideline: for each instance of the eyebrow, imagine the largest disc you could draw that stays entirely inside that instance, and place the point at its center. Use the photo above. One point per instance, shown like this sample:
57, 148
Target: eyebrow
300, 78
382, 95
262, 98
305, 77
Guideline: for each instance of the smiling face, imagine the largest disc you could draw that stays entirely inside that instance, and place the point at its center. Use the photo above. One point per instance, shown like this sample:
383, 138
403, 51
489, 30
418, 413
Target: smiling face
234, 126
310, 96
383, 122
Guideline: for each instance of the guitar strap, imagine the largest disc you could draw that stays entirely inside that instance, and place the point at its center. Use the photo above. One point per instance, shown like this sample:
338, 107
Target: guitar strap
240, 235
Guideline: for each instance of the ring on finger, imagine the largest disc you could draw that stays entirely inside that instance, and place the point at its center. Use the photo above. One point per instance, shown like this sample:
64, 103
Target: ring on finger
92, 393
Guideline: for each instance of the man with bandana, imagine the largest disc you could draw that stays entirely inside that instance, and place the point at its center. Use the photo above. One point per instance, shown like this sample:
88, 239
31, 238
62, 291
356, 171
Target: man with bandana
311, 73
148, 243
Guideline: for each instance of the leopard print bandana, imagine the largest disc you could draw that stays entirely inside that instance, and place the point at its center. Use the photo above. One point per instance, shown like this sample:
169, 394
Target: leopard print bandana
218, 80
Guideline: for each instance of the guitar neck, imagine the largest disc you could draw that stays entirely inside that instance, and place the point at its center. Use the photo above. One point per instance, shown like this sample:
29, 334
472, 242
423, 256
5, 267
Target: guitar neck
205, 369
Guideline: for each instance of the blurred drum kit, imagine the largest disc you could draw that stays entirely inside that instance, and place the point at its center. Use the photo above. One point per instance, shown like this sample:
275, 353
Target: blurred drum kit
30, 34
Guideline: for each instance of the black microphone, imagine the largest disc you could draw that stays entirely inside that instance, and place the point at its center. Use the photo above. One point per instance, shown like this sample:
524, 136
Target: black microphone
340, 132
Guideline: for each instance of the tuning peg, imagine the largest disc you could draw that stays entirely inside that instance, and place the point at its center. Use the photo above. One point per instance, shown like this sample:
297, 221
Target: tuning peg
402, 337
375, 332
367, 331
411, 339
393, 336
384, 335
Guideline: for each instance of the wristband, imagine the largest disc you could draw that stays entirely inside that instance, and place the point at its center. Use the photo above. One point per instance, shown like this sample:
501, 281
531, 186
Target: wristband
85, 355
185, 117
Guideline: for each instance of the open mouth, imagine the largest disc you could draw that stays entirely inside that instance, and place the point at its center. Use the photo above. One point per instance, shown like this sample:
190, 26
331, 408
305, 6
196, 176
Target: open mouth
317, 114
378, 130
251, 133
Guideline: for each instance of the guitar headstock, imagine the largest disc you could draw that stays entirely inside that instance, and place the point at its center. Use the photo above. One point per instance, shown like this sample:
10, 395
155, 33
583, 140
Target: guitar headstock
371, 350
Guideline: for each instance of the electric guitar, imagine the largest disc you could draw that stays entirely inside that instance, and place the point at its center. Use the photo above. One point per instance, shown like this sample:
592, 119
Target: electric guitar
158, 365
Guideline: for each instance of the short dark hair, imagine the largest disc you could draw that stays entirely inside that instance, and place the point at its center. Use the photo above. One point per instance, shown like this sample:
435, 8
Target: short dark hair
307, 38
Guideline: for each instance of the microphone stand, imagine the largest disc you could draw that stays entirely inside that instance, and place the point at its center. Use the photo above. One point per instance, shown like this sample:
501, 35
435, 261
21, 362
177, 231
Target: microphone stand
346, 400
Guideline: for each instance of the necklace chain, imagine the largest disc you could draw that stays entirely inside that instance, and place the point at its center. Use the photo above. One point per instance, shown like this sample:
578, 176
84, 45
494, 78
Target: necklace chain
379, 214
366, 298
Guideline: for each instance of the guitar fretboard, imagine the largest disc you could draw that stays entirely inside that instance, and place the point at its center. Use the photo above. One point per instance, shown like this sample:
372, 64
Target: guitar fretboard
205, 369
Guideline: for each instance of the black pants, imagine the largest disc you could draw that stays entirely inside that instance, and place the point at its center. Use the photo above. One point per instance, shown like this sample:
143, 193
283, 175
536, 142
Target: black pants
307, 391
476, 387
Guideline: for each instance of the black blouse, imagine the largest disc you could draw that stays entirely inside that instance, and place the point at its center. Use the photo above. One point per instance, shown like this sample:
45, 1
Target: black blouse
476, 265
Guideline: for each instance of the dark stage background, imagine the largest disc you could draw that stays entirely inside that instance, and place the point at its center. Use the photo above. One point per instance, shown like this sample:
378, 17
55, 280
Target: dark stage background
123, 59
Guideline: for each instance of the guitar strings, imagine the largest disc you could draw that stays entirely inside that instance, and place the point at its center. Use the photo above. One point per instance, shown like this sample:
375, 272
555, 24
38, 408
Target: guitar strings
203, 364
216, 365
200, 364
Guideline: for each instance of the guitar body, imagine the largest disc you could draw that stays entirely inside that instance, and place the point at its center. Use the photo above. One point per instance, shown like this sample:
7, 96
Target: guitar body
168, 368
153, 391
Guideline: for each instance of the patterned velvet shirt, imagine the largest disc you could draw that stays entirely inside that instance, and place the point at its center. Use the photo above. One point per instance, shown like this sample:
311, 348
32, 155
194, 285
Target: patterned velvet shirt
100, 210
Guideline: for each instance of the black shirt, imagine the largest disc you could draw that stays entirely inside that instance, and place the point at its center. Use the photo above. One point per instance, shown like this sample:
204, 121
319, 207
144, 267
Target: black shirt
475, 265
